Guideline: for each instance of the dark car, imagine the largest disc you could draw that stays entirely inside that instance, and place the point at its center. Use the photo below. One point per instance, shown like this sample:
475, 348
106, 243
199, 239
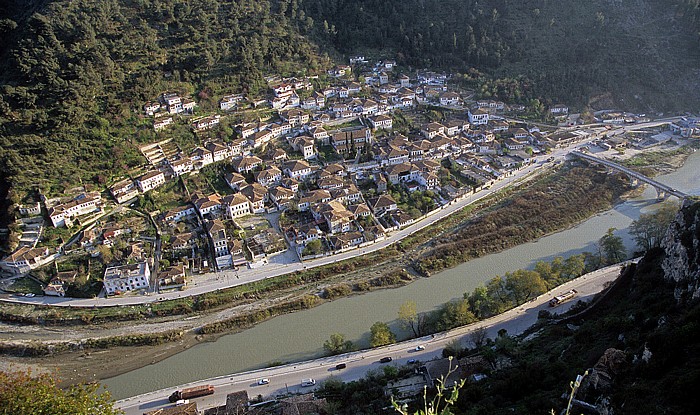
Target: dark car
385, 359
340, 366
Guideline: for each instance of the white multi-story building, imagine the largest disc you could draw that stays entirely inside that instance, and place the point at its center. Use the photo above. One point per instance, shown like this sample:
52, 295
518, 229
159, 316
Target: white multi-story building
478, 117
236, 205
181, 166
126, 278
381, 121
124, 190
162, 123
173, 102
150, 180
229, 101
25, 259
62, 214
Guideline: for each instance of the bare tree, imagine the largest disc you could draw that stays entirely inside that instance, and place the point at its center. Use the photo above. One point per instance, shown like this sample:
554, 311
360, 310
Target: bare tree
478, 337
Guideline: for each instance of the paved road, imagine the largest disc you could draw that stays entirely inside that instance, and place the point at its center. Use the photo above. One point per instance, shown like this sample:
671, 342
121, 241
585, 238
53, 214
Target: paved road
288, 378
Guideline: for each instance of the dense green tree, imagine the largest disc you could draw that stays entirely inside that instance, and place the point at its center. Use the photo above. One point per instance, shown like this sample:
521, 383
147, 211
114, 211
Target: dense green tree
650, 228
23, 393
381, 335
574, 266
612, 247
454, 314
524, 285
337, 344
480, 302
314, 247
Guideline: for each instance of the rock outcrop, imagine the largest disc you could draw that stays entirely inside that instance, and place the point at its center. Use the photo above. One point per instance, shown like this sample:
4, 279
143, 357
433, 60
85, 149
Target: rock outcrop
607, 367
682, 247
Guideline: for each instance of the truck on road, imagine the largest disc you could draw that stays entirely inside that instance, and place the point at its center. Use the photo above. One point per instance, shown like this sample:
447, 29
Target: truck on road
562, 298
193, 392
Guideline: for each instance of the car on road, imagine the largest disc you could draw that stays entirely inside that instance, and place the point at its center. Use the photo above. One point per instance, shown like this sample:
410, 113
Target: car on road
340, 366
412, 361
419, 348
30, 295
308, 382
263, 381
386, 359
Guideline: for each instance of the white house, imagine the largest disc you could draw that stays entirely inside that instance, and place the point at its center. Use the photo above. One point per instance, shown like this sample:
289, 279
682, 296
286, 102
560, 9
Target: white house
150, 180
162, 123
218, 151
124, 190
478, 117
25, 259
381, 121
61, 215
202, 156
298, 169
236, 205
181, 166
126, 278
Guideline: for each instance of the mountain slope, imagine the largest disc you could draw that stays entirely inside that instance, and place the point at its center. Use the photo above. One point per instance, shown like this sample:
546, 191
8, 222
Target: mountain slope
74, 74
643, 54
78, 71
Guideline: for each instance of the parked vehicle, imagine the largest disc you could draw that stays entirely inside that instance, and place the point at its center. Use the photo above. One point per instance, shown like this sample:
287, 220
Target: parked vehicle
308, 382
193, 392
340, 366
386, 359
562, 298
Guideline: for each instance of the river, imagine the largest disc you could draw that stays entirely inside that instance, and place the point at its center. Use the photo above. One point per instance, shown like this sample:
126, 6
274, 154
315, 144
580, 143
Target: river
300, 335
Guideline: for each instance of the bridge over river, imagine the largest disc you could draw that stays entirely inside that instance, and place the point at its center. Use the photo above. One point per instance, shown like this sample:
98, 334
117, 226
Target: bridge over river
663, 191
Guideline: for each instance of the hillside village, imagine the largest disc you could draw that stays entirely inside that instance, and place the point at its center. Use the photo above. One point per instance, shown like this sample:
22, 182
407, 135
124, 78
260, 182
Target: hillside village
329, 171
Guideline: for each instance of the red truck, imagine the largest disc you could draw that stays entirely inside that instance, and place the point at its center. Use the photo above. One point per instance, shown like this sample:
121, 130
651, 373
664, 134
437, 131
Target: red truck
194, 392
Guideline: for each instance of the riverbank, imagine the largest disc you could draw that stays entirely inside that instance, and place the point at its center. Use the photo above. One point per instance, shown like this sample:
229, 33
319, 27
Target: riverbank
119, 357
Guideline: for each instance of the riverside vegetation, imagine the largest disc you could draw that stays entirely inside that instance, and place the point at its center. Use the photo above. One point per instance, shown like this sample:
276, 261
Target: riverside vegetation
501, 293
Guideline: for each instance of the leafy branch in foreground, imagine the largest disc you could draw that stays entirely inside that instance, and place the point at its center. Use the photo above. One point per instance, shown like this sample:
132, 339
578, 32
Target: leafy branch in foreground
446, 396
22, 393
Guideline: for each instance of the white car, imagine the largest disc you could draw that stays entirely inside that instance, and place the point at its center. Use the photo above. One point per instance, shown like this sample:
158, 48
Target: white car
419, 348
30, 295
263, 381
308, 382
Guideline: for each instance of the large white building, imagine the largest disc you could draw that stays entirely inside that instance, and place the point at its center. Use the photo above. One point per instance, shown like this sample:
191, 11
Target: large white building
126, 278
478, 117
62, 214
150, 180
25, 259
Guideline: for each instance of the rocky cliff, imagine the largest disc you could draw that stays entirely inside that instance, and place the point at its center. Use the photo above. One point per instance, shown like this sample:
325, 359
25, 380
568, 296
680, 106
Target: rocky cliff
682, 247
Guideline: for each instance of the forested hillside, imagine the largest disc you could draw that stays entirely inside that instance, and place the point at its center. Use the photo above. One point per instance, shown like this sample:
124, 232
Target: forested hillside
639, 54
75, 74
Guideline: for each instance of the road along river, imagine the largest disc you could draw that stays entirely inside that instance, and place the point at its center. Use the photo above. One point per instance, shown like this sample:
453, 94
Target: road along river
287, 378
300, 335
